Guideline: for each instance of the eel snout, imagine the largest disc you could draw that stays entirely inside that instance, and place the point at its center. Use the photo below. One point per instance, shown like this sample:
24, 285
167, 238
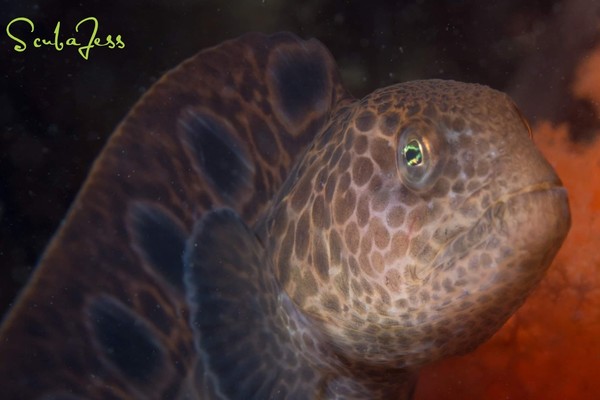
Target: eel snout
483, 274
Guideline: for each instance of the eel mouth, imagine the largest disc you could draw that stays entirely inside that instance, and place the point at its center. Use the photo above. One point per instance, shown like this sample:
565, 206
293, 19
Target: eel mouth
542, 209
537, 187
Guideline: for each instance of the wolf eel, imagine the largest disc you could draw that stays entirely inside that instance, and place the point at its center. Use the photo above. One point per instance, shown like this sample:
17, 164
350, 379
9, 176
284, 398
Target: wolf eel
251, 231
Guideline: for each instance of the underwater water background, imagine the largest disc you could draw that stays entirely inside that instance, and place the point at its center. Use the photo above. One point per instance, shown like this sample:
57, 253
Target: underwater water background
57, 109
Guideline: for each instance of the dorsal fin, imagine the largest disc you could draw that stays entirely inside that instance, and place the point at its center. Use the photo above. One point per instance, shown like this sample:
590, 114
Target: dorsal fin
223, 128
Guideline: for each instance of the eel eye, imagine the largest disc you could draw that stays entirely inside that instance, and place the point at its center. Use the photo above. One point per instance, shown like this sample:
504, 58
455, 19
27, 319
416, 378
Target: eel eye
413, 153
420, 156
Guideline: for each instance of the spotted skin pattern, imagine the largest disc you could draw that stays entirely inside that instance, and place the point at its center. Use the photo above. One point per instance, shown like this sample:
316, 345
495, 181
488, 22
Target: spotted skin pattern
402, 272
251, 231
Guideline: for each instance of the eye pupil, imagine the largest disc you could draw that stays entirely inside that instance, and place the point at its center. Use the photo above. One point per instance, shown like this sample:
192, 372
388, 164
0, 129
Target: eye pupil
413, 154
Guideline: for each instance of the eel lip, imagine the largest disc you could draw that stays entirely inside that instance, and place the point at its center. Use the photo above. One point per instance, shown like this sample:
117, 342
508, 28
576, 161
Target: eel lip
555, 185
551, 212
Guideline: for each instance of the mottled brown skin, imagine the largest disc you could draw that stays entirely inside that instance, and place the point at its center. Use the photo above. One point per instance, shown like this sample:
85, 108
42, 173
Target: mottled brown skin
362, 269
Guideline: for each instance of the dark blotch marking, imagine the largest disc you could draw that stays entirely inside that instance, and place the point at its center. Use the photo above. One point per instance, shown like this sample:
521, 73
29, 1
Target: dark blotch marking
360, 144
381, 108
332, 303
458, 124
344, 162
363, 212
406, 197
375, 184
362, 170
302, 192
342, 283
365, 121
352, 237
383, 154
320, 214
395, 217
330, 187
390, 123
349, 139
160, 239
220, 158
335, 248
287, 247
413, 109
321, 258
125, 340
302, 230
301, 82
344, 206
447, 285
321, 180
345, 181
431, 111
307, 287
380, 200
337, 154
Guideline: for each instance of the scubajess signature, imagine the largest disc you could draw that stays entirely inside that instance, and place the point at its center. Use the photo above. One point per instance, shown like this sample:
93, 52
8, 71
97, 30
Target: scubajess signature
19, 31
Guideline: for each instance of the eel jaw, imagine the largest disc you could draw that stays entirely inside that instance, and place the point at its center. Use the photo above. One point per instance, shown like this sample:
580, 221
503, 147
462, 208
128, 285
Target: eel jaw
518, 236
494, 218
